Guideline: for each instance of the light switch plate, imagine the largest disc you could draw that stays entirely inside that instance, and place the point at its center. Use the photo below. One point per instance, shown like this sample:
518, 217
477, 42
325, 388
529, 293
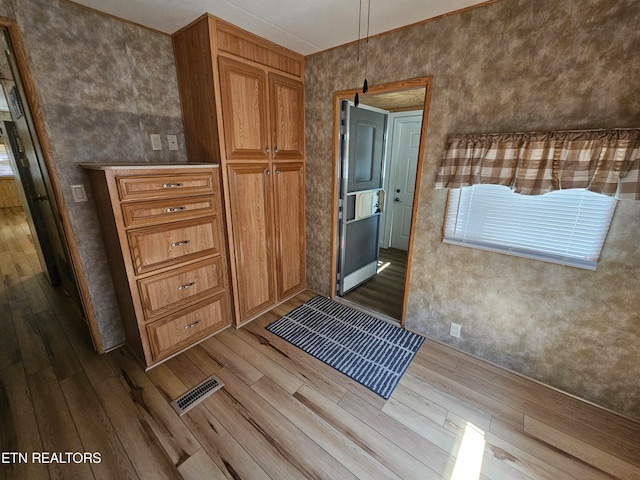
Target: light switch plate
156, 142
79, 193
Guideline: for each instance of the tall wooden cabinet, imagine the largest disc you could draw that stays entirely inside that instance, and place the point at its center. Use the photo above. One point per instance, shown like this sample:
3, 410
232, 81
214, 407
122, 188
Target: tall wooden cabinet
243, 107
165, 240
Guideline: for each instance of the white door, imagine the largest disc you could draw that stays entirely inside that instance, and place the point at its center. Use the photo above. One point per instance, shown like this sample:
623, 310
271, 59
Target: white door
406, 146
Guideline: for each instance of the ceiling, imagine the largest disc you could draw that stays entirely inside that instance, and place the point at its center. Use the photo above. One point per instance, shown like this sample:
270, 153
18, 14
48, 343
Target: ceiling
304, 26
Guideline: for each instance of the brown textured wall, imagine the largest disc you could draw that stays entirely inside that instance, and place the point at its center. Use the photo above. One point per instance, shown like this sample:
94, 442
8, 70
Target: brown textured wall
515, 65
103, 86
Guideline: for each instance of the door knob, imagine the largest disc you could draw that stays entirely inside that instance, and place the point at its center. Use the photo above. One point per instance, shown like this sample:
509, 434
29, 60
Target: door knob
396, 199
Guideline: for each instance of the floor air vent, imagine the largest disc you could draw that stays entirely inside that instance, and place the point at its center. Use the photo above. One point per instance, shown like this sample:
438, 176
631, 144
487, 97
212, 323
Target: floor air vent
190, 399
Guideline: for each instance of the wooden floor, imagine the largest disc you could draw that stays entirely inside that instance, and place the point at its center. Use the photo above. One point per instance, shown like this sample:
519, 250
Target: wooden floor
281, 414
384, 293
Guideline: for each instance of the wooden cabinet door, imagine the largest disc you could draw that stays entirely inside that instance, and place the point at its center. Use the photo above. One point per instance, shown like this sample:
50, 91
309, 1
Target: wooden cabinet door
244, 111
289, 194
287, 118
252, 224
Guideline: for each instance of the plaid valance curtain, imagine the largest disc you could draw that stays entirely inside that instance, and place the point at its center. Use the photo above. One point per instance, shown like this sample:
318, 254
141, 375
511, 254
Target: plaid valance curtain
540, 162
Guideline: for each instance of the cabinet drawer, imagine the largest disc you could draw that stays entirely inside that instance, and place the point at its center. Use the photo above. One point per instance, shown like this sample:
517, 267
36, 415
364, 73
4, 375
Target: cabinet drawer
169, 335
168, 244
163, 186
165, 293
146, 213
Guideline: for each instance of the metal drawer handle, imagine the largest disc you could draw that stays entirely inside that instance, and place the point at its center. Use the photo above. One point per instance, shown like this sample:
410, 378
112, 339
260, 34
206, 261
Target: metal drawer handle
175, 209
179, 244
188, 285
172, 185
191, 325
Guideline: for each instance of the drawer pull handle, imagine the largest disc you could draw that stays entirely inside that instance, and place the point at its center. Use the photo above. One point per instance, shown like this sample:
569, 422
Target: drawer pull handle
179, 244
172, 185
191, 325
175, 209
188, 285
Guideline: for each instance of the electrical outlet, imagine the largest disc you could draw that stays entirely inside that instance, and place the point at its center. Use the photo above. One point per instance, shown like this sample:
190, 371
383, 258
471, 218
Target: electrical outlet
454, 331
156, 142
172, 140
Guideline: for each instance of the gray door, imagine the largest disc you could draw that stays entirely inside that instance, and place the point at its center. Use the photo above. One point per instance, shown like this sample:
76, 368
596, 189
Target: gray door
361, 194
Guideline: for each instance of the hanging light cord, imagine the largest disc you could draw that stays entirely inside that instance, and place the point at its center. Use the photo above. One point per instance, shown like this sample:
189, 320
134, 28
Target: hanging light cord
356, 99
365, 87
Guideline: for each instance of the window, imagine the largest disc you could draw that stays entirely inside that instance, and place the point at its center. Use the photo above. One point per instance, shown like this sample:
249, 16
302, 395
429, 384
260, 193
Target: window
5, 166
565, 226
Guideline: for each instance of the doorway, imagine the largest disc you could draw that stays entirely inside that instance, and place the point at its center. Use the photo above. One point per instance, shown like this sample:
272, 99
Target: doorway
24, 164
381, 289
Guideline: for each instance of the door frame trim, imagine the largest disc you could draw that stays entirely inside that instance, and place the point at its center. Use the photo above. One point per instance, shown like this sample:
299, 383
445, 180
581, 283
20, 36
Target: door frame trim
338, 97
40, 131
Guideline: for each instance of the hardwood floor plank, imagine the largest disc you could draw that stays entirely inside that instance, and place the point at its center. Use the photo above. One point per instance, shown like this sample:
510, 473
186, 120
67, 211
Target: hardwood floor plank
231, 360
416, 445
199, 466
178, 442
420, 404
548, 454
18, 427
9, 348
300, 356
583, 421
143, 448
274, 431
62, 357
33, 350
230, 456
261, 362
203, 359
95, 429
381, 448
55, 424
187, 371
35, 296
500, 457
343, 449
470, 391
285, 355
441, 397
580, 449
434, 351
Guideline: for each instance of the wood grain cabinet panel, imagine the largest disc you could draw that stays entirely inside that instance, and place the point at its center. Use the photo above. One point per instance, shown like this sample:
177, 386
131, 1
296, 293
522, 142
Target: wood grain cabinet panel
257, 108
244, 103
287, 118
289, 227
145, 213
167, 251
164, 293
252, 214
168, 244
163, 186
172, 334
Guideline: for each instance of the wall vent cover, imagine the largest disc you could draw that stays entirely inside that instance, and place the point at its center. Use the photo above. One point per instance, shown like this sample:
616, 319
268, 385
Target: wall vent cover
190, 399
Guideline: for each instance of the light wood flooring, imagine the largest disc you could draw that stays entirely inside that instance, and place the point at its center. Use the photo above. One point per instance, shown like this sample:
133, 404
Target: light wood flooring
384, 293
281, 414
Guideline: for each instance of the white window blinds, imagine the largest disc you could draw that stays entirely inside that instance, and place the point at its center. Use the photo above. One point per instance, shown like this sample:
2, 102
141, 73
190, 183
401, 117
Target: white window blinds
566, 226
